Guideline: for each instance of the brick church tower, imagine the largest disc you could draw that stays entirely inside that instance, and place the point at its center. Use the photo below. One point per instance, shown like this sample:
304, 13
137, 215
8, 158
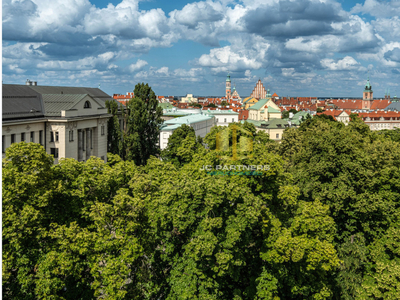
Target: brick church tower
228, 94
368, 96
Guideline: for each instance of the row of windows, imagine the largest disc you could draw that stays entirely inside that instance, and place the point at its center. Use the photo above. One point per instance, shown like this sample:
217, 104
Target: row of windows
23, 139
54, 135
233, 120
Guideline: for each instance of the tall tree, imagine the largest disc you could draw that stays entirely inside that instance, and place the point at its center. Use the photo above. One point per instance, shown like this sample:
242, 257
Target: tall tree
182, 144
114, 133
143, 124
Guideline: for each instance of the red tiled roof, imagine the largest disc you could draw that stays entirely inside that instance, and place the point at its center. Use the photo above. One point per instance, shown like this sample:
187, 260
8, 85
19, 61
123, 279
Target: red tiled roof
334, 113
127, 97
376, 115
380, 104
348, 104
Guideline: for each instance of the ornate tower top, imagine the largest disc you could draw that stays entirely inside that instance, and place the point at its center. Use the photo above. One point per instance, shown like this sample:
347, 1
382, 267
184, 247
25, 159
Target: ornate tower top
368, 87
228, 78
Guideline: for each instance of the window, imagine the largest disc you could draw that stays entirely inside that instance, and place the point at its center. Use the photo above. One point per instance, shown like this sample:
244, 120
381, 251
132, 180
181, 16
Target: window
56, 136
12, 138
51, 137
32, 137
3, 144
83, 140
102, 130
91, 140
217, 120
22, 136
87, 105
71, 135
277, 135
54, 152
41, 137
225, 120
233, 120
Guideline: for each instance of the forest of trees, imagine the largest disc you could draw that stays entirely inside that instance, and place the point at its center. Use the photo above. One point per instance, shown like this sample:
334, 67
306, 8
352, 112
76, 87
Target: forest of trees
321, 223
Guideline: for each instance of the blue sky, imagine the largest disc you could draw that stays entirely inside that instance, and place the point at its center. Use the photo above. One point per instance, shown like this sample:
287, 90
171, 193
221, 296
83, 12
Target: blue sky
296, 47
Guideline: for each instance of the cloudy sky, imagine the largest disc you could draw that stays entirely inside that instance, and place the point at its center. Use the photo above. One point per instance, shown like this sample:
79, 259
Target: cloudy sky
296, 47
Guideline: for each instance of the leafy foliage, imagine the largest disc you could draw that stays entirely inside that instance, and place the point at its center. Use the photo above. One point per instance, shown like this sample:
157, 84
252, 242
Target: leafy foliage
321, 222
182, 145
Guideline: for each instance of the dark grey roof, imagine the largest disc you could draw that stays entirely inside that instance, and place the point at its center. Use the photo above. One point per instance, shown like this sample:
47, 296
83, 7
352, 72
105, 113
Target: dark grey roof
19, 102
29, 101
55, 103
95, 93
393, 106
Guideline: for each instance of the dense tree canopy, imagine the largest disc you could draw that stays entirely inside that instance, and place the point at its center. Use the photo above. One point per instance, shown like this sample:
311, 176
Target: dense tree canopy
321, 221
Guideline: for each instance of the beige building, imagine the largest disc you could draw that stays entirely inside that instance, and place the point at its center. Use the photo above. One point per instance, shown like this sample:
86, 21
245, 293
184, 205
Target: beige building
264, 110
382, 119
274, 127
69, 122
339, 115
249, 102
189, 99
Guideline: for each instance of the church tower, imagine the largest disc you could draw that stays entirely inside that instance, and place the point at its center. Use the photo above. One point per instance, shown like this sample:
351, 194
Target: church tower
259, 91
368, 93
228, 87
368, 97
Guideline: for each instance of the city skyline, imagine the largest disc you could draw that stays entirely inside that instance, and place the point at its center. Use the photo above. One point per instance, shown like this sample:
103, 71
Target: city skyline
297, 48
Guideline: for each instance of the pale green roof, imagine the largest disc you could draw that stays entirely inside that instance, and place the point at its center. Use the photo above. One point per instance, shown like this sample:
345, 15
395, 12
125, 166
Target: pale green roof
190, 119
296, 117
273, 110
172, 112
259, 104
165, 105
220, 112
275, 124
255, 123
170, 127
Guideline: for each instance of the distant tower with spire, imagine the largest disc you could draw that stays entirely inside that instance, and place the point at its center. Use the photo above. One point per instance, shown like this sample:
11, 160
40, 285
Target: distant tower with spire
368, 93
368, 97
228, 87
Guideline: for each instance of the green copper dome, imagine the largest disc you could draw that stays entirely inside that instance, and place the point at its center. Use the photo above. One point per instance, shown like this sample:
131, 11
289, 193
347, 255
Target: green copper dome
228, 78
368, 86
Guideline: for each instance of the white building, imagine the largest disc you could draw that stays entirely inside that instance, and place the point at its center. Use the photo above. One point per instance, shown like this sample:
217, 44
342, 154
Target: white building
68, 122
223, 117
201, 123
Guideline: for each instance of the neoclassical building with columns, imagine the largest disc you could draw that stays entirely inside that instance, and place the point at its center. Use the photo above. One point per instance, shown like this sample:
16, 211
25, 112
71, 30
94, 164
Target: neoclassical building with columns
69, 122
